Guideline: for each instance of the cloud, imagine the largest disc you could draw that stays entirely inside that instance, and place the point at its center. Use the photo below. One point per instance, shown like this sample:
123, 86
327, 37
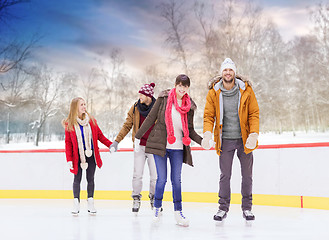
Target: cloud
291, 21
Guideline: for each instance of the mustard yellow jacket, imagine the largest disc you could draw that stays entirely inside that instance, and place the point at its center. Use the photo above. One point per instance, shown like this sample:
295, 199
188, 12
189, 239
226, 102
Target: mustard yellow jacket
248, 112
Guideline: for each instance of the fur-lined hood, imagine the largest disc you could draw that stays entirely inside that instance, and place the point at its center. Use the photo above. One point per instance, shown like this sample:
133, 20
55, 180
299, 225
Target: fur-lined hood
165, 93
212, 82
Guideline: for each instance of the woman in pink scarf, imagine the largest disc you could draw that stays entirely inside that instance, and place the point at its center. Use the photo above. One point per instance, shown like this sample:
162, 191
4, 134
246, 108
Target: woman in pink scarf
170, 138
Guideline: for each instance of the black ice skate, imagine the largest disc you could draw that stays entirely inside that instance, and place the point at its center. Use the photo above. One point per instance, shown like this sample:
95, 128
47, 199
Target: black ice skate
247, 214
136, 204
151, 196
220, 215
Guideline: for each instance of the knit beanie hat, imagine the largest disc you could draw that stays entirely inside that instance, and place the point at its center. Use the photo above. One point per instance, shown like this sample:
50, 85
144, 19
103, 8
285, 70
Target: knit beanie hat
228, 63
148, 90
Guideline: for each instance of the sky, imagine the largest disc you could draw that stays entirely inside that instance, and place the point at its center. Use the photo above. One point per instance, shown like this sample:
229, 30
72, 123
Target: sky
74, 34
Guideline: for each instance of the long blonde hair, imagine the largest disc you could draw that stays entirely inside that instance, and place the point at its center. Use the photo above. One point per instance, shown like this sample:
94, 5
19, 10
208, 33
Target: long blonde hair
71, 120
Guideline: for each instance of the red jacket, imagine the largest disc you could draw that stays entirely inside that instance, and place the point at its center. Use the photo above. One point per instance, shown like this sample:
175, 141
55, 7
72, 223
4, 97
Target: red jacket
71, 146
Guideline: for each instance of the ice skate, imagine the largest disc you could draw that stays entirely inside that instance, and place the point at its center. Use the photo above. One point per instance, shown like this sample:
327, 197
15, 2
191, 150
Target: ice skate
91, 208
181, 219
248, 215
151, 196
76, 207
157, 215
220, 215
136, 204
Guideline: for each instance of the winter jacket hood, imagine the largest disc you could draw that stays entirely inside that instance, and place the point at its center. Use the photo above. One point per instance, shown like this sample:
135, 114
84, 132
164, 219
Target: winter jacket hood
212, 83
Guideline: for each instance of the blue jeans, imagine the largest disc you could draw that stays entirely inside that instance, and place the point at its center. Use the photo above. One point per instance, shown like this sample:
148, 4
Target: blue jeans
176, 162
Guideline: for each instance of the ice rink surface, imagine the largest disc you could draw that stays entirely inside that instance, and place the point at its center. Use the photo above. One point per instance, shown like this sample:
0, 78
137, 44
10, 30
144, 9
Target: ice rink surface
51, 219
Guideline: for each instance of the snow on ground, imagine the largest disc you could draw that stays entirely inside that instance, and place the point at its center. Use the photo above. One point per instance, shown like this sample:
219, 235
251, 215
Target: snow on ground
264, 139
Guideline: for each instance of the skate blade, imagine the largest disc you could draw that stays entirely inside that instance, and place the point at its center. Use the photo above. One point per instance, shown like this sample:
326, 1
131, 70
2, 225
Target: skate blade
248, 223
92, 213
75, 214
183, 224
156, 221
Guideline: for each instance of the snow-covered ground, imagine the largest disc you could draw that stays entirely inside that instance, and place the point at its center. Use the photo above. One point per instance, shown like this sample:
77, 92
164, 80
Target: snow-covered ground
264, 139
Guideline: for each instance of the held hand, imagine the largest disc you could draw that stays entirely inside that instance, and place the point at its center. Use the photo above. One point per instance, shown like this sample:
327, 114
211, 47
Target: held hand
207, 141
114, 147
252, 140
70, 165
137, 146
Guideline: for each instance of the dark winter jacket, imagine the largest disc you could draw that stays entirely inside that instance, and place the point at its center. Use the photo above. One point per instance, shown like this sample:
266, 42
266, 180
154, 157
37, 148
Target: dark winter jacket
157, 141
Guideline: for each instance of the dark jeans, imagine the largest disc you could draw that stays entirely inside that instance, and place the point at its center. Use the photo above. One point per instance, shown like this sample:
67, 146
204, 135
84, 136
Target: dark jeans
225, 163
176, 162
90, 173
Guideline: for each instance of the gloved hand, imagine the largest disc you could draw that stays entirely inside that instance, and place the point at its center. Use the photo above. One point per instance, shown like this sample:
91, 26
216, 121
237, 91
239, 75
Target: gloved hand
252, 140
207, 141
70, 165
137, 146
114, 147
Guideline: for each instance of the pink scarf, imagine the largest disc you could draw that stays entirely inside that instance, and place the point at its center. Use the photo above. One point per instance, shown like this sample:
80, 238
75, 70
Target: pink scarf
183, 110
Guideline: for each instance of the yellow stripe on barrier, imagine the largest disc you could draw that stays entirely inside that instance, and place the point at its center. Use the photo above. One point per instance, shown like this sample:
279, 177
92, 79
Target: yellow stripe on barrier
205, 197
316, 202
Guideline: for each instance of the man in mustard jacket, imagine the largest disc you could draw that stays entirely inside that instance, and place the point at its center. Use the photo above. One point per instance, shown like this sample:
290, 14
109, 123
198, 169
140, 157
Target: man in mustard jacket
232, 113
135, 117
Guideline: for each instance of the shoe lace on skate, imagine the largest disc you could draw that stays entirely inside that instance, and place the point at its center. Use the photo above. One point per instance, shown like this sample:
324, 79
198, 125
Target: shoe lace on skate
157, 210
181, 214
248, 213
220, 213
136, 203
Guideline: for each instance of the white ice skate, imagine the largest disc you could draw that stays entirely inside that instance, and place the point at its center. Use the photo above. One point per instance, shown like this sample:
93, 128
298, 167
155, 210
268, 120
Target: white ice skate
76, 207
91, 208
157, 215
181, 219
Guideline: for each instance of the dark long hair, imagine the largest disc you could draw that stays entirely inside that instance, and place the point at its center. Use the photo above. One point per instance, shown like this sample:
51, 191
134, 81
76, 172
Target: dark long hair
183, 79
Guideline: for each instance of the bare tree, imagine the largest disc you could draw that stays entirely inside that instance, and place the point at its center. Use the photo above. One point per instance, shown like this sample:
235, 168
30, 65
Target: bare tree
312, 84
46, 87
12, 93
91, 88
12, 52
5, 9
115, 88
320, 17
152, 74
205, 16
177, 30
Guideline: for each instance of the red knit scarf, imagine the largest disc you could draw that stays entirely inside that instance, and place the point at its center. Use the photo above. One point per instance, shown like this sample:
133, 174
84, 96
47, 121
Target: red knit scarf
183, 110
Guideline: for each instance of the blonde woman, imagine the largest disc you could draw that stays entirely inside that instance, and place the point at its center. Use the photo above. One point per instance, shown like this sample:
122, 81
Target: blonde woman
81, 149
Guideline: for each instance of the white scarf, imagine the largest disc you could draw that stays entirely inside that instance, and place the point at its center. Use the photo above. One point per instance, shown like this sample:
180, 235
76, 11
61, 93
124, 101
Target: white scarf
87, 136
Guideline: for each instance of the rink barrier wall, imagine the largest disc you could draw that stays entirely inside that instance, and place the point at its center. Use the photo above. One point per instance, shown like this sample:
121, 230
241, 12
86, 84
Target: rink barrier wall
298, 201
202, 197
269, 146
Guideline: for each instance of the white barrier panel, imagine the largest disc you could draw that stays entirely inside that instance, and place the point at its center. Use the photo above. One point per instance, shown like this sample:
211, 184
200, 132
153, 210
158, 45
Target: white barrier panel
301, 171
